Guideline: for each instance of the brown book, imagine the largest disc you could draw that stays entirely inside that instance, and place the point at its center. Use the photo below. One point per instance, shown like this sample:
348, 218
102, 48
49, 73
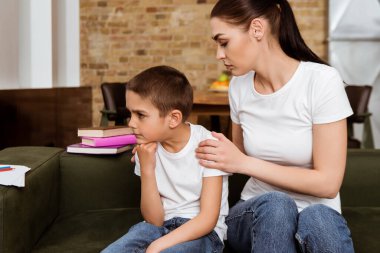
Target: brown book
106, 131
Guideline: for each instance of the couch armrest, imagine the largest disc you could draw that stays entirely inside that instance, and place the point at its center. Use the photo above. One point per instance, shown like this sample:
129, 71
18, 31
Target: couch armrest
93, 182
361, 184
26, 212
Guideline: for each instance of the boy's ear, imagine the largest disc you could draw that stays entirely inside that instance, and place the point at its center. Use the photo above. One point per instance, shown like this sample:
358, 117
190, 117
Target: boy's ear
175, 118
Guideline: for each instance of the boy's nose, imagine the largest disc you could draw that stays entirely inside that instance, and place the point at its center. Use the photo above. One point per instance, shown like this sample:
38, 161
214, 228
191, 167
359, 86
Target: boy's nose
131, 122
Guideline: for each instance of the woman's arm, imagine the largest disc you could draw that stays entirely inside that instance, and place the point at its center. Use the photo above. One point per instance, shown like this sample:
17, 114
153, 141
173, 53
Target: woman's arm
237, 137
200, 225
151, 205
323, 180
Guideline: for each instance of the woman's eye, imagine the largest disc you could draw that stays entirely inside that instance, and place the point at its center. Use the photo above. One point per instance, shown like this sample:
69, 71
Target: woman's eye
223, 44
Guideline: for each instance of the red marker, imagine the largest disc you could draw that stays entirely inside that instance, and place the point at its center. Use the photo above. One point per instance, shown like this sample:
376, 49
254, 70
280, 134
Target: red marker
6, 169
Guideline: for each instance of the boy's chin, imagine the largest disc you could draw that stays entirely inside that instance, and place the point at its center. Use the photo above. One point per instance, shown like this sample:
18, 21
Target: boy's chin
142, 141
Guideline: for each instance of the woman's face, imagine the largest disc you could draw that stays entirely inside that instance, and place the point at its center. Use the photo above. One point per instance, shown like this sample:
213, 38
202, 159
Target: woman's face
235, 47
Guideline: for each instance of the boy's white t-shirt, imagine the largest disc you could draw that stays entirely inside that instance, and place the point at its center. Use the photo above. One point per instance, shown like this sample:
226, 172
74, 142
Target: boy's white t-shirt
179, 180
278, 127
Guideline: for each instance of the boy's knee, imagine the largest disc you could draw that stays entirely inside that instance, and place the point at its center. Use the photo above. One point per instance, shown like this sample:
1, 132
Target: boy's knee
145, 231
143, 226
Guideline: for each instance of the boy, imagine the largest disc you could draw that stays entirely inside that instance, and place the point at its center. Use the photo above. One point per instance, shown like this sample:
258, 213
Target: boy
183, 204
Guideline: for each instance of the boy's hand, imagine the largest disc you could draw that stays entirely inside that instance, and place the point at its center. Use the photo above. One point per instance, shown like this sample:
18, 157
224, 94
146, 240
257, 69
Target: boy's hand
153, 249
147, 156
134, 152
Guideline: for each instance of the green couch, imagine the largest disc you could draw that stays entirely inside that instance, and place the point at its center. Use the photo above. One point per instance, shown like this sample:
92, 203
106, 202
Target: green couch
81, 203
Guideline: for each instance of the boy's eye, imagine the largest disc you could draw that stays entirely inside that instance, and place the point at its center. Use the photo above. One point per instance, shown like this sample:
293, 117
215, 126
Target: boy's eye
140, 115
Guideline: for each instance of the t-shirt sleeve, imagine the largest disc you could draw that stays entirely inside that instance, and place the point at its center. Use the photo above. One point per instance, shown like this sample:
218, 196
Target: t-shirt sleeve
137, 165
330, 102
212, 172
233, 100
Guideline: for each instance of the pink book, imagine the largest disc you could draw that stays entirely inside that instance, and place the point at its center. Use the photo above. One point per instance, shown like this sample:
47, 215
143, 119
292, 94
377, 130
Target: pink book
109, 141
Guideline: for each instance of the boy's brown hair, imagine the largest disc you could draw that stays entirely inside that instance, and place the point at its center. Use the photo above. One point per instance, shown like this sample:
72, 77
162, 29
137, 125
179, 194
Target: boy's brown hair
167, 89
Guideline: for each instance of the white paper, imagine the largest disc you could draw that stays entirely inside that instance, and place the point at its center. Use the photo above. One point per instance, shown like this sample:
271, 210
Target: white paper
14, 177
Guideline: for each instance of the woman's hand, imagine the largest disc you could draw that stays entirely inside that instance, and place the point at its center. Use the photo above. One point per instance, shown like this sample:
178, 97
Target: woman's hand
220, 154
147, 156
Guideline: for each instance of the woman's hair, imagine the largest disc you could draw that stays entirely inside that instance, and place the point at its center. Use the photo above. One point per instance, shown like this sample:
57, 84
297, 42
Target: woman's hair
280, 17
167, 89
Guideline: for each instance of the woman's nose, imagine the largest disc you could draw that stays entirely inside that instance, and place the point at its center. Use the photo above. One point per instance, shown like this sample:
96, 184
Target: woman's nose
220, 53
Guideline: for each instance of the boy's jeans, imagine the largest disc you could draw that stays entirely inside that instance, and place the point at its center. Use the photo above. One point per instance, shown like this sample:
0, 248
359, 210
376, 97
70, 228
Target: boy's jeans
141, 235
271, 223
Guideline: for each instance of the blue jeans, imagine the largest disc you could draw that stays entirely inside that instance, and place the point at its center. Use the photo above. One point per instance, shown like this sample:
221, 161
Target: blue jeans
271, 223
141, 235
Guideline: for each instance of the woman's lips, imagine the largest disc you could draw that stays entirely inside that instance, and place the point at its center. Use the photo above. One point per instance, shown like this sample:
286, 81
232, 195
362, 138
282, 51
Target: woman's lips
229, 67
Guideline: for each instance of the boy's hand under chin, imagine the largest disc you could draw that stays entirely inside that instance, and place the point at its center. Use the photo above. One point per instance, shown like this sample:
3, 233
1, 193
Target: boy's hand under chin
147, 156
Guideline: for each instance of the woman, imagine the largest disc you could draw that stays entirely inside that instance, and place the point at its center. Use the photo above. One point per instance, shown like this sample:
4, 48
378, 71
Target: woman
288, 111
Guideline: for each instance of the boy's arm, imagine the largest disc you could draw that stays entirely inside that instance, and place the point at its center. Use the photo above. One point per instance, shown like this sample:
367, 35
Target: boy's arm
151, 205
200, 225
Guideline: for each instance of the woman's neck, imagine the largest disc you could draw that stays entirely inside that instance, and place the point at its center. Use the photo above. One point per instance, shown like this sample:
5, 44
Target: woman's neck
274, 72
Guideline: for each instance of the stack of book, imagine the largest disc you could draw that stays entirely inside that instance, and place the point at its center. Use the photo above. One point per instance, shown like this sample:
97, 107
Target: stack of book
103, 140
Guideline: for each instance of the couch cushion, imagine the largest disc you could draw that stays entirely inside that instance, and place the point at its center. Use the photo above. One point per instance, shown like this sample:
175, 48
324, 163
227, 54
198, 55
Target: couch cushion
88, 232
364, 223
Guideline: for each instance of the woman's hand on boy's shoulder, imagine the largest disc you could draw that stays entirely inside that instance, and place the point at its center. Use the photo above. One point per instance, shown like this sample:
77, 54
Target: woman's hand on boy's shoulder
220, 154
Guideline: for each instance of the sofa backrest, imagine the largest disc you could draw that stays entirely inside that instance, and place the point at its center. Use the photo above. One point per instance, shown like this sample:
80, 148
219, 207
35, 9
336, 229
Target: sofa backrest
90, 182
361, 184
96, 181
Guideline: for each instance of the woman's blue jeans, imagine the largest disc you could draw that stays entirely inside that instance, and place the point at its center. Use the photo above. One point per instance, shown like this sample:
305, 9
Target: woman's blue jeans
271, 223
141, 235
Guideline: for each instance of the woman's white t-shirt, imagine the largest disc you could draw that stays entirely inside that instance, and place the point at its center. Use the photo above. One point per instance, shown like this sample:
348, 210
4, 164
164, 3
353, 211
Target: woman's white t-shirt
179, 180
278, 127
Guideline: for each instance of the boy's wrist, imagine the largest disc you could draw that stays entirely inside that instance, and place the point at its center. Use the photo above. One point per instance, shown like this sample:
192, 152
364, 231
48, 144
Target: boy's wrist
148, 173
157, 245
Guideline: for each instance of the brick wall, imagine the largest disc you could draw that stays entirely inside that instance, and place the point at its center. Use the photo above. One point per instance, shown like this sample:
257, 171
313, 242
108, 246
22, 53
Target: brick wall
119, 38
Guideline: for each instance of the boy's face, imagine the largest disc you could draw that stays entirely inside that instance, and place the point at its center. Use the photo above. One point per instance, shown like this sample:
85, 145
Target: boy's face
145, 120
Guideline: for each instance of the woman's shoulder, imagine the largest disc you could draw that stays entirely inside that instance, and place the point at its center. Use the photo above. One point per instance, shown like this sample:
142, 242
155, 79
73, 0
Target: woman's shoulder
319, 70
241, 84
243, 79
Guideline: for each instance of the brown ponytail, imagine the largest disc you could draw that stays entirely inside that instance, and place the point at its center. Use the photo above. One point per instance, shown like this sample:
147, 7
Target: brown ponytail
280, 17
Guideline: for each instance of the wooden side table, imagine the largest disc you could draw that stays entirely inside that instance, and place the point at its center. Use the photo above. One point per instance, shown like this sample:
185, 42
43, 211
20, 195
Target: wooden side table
212, 104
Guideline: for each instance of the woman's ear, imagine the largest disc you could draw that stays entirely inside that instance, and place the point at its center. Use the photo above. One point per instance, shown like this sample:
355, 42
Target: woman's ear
256, 29
175, 118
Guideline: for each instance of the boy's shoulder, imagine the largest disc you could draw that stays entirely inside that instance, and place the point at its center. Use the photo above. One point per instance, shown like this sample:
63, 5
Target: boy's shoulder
200, 133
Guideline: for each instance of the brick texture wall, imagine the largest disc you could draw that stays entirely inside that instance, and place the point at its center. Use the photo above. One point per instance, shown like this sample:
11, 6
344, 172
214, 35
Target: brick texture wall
119, 38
